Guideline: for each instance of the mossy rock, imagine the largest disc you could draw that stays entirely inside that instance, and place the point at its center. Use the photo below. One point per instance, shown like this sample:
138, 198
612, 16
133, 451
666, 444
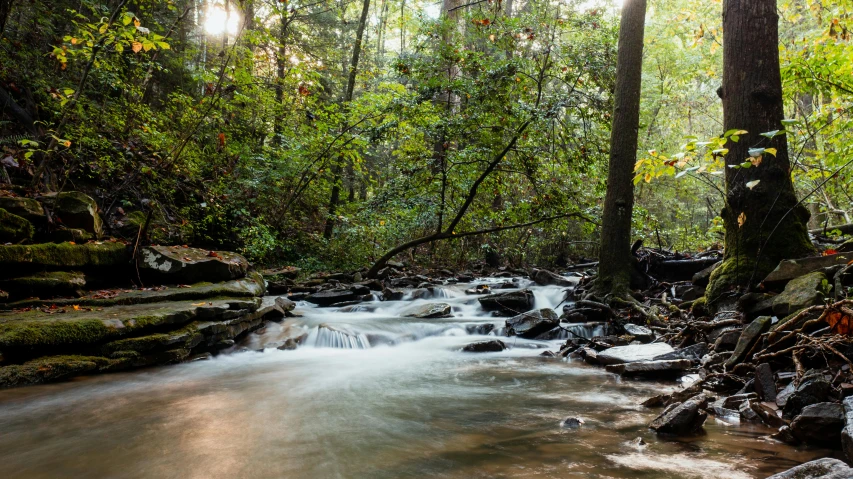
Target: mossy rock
64, 256
800, 293
77, 210
27, 334
27, 208
54, 368
14, 229
177, 264
70, 235
46, 284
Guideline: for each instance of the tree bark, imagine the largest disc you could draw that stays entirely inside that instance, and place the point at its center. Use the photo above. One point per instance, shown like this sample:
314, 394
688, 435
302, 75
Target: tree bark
615, 259
348, 94
764, 221
5, 10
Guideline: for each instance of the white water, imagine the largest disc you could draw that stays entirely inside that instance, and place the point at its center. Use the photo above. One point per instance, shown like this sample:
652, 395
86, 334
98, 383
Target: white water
369, 395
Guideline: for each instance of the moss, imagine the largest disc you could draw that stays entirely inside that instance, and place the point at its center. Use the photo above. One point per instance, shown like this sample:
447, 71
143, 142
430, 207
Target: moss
14, 229
183, 338
53, 368
77, 210
750, 252
26, 208
699, 307
46, 284
65, 255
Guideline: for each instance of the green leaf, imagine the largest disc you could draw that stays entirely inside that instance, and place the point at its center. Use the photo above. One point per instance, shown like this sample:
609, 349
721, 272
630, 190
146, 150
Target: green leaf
773, 134
753, 184
734, 132
721, 151
790, 122
756, 152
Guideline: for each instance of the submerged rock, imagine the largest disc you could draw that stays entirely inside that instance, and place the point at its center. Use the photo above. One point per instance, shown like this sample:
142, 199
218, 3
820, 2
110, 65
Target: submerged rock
429, 310
572, 422
177, 264
492, 346
633, 353
514, 302
532, 324
825, 468
681, 419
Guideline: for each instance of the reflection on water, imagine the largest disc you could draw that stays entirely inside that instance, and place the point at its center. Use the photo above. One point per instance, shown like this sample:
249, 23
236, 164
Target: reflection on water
416, 407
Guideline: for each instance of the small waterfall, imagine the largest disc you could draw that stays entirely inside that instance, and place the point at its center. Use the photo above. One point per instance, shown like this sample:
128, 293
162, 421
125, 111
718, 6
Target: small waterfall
324, 336
549, 296
582, 330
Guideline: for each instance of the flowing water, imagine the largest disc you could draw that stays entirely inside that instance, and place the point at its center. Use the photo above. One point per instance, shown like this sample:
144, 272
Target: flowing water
370, 395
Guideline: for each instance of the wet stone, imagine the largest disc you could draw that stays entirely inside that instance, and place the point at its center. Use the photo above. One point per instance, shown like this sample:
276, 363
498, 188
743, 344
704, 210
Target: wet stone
819, 423
681, 419
633, 353
765, 382
640, 333
532, 324
825, 468
493, 346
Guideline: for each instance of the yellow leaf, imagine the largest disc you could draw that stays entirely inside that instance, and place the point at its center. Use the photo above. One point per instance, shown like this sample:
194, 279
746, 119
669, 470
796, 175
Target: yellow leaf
772, 151
648, 178
137, 47
382, 223
76, 307
67, 144
73, 41
198, 304
136, 22
741, 219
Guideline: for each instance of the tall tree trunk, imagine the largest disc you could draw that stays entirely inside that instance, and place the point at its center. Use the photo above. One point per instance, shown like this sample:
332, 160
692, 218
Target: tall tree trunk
5, 10
348, 93
615, 260
281, 60
764, 221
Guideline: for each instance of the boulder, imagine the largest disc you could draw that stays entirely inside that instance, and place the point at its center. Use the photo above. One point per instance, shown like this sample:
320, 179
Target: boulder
176, 264
284, 305
800, 293
331, 296
428, 310
633, 353
693, 353
765, 383
62, 256
70, 235
847, 431
14, 229
514, 302
682, 419
795, 268
572, 422
814, 390
747, 339
702, 278
825, 468
27, 208
77, 210
492, 346
46, 284
548, 278
727, 340
640, 333
529, 325
819, 423
650, 368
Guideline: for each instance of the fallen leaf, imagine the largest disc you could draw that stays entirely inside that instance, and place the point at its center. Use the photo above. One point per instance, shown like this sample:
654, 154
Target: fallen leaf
741, 219
839, 322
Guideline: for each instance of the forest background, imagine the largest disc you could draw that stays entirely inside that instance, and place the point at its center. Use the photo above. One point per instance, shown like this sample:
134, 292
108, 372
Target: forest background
323, 133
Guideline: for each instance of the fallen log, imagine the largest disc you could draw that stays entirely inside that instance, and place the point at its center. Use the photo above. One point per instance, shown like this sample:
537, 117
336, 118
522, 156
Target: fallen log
845, 229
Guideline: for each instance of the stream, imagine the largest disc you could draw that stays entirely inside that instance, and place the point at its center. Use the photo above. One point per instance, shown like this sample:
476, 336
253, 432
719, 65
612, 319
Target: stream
371, 395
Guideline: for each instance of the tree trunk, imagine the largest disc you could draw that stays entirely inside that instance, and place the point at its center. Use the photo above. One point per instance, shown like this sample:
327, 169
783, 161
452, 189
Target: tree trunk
615, 260
348, 93
281, 60
764, 221
5, 10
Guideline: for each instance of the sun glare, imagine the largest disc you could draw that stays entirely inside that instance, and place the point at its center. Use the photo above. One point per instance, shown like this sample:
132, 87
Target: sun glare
217, 21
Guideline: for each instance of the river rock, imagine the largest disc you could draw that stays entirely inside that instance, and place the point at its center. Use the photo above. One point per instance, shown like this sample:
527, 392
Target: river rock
46, 284
765, 383
392, 295
14, 229
428, 310
681, 419
492, 346
176, 264
77, 210
514, 302
532, 324
812, 390
572, 422
727, 340
640, 333
747, 339
847, 431
819, 423
693, 353
633, 353
825, 468
650, 368
284, 305
331, 296
795, 268
800, 293
27, 208
548, 278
